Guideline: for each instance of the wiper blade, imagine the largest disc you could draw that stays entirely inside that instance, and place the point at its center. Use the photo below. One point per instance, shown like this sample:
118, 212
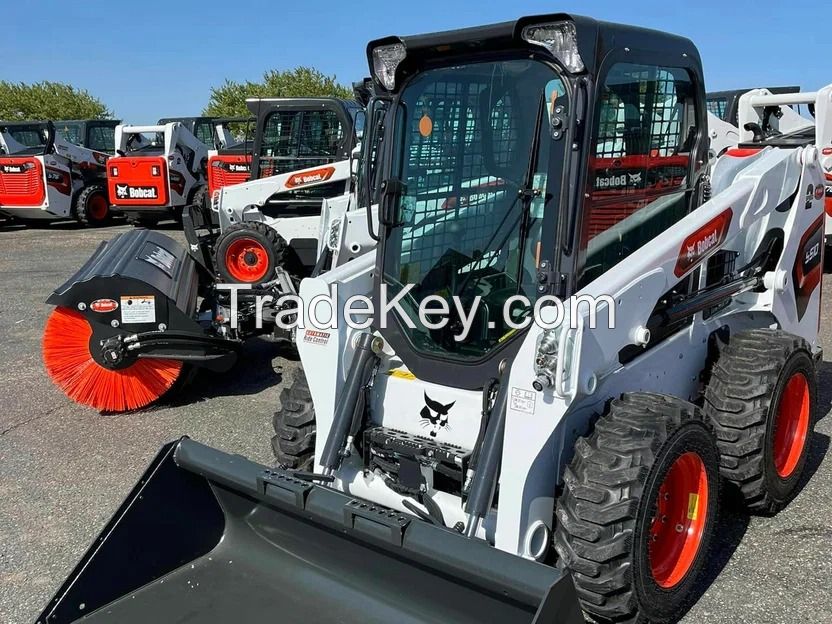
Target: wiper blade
526, 193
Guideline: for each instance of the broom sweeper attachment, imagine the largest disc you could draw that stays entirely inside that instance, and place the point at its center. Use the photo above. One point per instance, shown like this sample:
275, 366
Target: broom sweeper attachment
126, 324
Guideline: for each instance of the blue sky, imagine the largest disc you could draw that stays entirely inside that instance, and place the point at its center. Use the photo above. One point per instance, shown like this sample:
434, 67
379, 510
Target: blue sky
151, 59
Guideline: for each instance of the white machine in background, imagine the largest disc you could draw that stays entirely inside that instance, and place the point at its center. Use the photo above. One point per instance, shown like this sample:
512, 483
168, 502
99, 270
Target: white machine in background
759, 130
157, 171
55, 179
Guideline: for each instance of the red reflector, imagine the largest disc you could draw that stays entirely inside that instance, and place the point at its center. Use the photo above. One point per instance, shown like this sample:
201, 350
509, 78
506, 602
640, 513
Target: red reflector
742, 152
826, 151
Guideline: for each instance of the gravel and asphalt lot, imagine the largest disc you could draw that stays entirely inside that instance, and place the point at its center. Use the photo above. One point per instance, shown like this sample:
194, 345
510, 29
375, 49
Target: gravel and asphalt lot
64, 469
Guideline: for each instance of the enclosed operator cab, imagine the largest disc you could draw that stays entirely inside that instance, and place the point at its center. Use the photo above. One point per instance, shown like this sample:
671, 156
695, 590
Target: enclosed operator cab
56, 170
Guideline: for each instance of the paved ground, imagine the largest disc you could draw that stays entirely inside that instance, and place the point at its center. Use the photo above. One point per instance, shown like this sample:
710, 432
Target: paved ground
64, 469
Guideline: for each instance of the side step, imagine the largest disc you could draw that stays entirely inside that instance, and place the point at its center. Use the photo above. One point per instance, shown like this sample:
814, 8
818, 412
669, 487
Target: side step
211, 537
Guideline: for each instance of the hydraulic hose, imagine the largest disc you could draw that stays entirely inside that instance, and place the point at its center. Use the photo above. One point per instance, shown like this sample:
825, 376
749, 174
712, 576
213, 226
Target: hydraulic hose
346, 403
485, 478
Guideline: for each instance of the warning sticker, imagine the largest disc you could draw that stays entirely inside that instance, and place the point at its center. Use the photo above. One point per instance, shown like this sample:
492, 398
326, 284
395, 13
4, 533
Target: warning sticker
138, 309
316, 337
523, 400
693, 506
400, 373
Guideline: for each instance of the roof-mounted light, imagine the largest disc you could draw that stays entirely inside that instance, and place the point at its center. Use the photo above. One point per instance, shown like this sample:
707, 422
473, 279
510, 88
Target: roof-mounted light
386, 59
561, 39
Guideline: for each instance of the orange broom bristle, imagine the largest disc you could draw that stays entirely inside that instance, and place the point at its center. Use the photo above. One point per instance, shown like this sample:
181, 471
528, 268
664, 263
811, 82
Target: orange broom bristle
66, 354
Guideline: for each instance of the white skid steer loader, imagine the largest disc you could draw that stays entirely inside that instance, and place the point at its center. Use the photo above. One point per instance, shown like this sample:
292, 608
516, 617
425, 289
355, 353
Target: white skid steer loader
491, 468
54, 178
157, 171
301, 158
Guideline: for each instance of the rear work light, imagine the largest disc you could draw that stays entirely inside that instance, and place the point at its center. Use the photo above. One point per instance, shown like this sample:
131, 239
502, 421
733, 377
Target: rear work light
114, 171
154, 171
561, 39
386, 60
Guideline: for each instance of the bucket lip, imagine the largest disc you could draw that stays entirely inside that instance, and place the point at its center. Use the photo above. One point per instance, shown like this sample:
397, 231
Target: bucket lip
438, 548
527, 587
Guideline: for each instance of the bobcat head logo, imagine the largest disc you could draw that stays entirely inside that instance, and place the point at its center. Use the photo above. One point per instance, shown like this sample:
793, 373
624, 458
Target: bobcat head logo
690, 252
121, 190
434, 416
635, 178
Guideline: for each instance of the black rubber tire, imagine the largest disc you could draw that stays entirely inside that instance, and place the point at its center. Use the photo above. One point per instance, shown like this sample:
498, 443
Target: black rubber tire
274, 244
200, 198
293, 442
82, 206
741, 401
603, 517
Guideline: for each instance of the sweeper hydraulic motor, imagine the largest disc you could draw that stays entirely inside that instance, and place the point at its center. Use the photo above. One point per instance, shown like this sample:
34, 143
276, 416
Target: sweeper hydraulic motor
520, 462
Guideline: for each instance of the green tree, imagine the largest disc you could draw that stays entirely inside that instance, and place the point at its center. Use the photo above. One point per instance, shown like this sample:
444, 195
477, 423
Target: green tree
48, 100
229, 100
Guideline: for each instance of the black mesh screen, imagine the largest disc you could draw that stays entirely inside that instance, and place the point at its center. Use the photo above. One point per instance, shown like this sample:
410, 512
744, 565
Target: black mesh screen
718, 106
448, 173
299, 139
646, 126
204, 131
641, 113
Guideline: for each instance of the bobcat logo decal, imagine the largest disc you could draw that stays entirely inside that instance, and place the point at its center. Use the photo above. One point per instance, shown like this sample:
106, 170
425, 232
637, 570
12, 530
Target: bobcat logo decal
121, 190
635, 178
434, 416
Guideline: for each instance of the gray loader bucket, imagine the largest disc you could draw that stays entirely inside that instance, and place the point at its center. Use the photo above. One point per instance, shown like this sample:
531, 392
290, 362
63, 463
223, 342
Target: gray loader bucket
210, 537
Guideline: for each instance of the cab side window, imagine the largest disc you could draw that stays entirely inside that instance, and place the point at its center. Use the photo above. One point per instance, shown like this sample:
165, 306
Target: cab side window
638, 178
204, 131
719, 107
102, 138
299, 139
70, 132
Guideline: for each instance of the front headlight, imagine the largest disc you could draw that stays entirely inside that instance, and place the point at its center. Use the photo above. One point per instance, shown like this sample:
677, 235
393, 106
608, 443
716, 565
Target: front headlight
386, 59
561, 39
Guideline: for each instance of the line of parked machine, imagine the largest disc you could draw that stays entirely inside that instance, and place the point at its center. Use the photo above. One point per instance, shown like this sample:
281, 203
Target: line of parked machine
524, 474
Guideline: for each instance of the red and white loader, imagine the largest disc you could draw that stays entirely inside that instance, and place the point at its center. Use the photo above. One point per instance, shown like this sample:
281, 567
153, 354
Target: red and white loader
491, 468
54, 179
300, 164
157, 171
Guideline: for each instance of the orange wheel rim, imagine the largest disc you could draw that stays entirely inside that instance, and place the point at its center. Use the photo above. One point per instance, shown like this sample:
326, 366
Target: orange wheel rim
98, 207
791, 426
677, 529
247, 260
